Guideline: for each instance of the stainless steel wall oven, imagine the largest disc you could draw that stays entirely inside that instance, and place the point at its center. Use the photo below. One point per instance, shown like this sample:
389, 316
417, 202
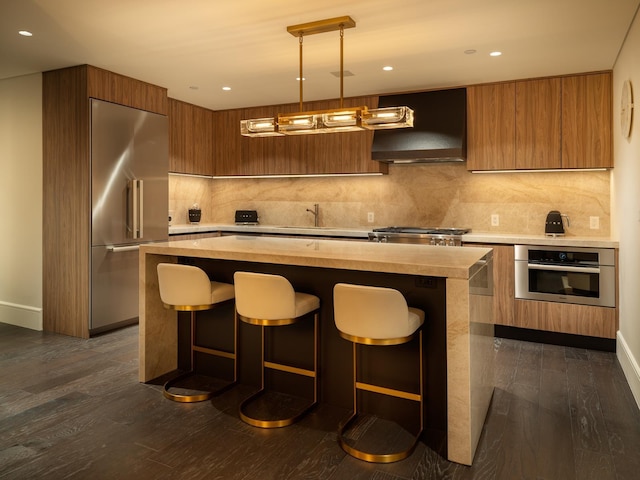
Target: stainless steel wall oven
585, 276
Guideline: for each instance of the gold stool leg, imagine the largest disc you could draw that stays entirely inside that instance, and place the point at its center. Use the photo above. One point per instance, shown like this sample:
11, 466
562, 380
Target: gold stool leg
380, 457
283, 422
183, 398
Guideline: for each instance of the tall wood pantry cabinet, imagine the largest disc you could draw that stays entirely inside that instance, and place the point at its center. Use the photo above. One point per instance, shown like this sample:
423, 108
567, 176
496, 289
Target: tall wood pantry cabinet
66, 208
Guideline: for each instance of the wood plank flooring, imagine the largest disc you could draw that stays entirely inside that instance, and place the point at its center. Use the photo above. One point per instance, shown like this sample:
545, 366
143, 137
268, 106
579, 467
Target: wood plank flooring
72, 408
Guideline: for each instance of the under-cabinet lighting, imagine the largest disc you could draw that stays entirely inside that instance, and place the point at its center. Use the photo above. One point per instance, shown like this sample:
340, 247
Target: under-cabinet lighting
193, 175
550, 170
313, 175
296, 175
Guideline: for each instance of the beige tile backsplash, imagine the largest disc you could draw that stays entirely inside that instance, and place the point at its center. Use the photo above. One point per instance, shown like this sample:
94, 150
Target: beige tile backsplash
443, 195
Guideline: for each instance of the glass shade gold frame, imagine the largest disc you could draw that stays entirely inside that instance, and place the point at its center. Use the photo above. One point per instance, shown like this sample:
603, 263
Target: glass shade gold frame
342, 119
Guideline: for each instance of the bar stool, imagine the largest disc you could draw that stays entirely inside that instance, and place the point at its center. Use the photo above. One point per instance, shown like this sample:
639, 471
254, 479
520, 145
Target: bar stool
188, 288
377, 316
270, 301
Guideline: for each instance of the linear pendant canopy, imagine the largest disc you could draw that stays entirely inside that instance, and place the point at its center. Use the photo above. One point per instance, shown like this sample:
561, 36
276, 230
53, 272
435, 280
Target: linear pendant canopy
342, 119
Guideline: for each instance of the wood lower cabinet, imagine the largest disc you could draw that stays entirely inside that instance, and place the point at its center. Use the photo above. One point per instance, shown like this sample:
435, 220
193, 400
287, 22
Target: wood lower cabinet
566, 318
543, 123
191, 132
503, 282
569, 318
66, 210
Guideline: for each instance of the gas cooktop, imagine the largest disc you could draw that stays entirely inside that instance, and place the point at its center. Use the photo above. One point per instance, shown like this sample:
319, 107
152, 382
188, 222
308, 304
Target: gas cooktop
424, 230
427, 235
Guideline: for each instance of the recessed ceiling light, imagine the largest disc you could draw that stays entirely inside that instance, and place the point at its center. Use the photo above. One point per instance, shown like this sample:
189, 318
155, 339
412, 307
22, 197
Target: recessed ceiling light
388, 68
226, 89
471, 51
25, 33
495, 54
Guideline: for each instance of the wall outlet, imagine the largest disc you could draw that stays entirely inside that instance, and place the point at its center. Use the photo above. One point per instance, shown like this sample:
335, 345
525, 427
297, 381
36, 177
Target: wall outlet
495, 220
370, 217
594, 223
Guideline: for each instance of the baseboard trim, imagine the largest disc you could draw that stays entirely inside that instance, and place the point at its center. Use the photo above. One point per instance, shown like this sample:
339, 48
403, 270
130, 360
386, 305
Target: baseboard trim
629, 366
24, 316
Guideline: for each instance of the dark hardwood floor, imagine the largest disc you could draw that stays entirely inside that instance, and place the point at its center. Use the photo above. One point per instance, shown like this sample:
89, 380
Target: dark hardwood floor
72, 408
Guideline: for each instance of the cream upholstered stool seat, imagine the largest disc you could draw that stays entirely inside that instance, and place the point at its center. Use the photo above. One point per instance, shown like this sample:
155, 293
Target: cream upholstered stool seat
188, 288
268, 301
377, 316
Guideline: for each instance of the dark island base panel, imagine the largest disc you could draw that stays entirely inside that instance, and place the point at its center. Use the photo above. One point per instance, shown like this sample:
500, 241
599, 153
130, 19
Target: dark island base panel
393, 366
555, 338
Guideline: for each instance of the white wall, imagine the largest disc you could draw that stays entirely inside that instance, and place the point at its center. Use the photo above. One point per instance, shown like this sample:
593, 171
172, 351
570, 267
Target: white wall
21, 201
626, 209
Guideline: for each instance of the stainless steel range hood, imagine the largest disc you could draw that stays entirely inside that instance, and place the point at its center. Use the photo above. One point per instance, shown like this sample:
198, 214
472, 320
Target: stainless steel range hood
439, 132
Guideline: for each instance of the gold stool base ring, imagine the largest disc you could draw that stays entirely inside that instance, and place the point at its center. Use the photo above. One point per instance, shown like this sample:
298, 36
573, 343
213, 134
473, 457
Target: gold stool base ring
373, 457
200, 397
283, 422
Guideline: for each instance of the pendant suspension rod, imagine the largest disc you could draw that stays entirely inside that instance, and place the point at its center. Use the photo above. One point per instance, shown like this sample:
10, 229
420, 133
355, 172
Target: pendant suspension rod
341, 64
300, 77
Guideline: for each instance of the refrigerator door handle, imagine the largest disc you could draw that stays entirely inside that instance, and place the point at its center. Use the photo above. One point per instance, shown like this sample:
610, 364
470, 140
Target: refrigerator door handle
140, 208
136, 208
127, 248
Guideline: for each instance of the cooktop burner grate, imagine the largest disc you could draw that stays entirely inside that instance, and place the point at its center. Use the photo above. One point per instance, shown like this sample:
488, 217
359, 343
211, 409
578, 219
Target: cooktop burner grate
424, 230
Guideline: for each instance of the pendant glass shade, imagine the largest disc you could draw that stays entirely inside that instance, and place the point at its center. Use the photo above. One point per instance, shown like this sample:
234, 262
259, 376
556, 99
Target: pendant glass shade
389, 117
297, 124
329, 121
259, 127
342, 119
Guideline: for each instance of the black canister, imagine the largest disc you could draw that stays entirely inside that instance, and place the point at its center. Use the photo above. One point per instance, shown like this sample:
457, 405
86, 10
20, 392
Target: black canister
194, 215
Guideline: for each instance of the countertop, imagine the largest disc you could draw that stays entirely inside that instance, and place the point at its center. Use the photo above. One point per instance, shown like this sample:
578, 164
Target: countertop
361, 232
564, 241
274, 229
425, 260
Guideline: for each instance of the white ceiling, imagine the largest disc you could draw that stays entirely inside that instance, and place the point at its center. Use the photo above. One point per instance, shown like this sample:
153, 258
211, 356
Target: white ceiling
244, 44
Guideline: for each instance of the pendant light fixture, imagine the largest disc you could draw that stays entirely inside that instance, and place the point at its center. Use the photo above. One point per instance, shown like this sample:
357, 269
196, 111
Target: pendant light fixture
342, 119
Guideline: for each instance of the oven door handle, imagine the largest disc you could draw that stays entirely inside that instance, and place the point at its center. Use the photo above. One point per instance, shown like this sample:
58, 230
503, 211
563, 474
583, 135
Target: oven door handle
561, 268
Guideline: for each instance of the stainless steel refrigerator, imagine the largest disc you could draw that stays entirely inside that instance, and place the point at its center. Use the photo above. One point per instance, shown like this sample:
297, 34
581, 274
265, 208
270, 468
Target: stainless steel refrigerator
129, 193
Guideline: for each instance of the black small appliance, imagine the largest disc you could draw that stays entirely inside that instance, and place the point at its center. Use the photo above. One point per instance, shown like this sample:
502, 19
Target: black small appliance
553, 225
247, 217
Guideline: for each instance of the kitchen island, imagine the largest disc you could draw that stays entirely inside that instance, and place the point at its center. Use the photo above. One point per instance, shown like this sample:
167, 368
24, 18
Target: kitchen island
452, 284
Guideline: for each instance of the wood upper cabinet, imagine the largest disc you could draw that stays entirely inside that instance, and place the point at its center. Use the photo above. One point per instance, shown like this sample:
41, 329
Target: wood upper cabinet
227, 143
292, 155
545, 123
537, 121
116, 88
587, 121
191, 136
491, 127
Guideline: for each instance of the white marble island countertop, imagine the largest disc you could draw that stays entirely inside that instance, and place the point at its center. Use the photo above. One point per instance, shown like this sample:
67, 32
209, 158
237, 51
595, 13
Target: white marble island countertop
427, 260
464, 316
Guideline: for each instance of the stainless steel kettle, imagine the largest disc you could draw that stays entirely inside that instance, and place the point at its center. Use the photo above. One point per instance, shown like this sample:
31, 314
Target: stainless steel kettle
554, 225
